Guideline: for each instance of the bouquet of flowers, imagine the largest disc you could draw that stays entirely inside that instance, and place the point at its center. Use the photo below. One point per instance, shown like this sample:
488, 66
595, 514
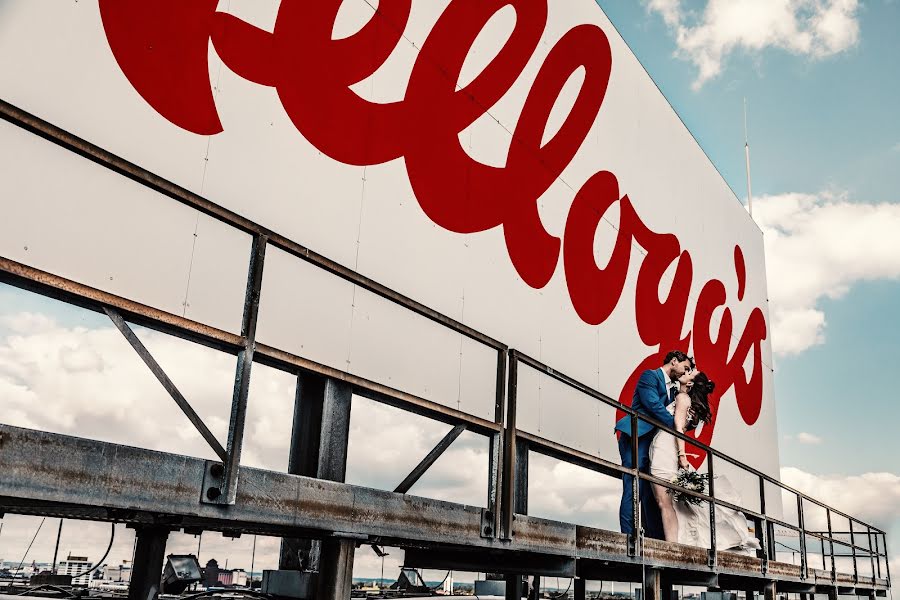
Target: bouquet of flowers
691, 480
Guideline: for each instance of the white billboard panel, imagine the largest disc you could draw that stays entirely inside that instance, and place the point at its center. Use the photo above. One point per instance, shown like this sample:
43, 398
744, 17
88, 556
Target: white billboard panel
508, 163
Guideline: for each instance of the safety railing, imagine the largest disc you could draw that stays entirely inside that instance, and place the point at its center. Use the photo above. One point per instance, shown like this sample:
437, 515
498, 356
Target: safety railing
765, 522
508, 465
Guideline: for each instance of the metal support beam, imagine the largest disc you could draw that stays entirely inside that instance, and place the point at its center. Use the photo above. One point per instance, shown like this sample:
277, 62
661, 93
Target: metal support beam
149, 554
429, 459
336, 554
652, 585
579, 591
521, 492
167, 383
303, 553
336, 570
513, 586
507, 504
244, 364
535, 592
769, 592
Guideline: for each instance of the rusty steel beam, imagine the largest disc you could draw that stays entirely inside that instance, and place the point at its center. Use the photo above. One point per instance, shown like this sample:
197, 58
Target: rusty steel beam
244, 365
53, 474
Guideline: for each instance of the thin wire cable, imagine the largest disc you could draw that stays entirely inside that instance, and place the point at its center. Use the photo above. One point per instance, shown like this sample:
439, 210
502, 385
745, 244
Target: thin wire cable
24, 556
112, 536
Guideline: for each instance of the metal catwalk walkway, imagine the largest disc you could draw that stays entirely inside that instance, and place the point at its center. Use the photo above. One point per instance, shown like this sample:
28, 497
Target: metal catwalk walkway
56, 475
321, 519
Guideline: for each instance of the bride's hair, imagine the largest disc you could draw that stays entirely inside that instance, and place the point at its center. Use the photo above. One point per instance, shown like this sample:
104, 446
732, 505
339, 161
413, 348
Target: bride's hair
699, 393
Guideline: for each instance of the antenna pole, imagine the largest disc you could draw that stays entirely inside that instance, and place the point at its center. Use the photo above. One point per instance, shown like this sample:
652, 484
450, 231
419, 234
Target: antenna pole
747, 161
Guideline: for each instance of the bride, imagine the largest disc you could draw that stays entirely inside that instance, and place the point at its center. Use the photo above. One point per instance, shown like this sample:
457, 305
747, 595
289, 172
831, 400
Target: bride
683, 522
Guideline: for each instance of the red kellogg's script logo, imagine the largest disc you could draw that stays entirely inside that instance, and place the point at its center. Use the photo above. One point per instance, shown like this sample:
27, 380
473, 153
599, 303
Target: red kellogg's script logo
162, 49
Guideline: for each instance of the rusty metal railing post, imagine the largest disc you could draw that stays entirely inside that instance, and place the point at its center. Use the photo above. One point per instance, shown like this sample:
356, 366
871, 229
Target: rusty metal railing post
244, 364
804, 565
507, 506
712, 557
871, 556
853, 552
764, 540
636, 524
497, 448
831, 544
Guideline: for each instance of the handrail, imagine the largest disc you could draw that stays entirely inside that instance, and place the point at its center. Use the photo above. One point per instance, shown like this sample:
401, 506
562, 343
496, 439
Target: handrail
586, 389
507, 361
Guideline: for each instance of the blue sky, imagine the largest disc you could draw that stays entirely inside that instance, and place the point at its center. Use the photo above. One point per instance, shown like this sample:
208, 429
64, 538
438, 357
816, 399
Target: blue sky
826, 124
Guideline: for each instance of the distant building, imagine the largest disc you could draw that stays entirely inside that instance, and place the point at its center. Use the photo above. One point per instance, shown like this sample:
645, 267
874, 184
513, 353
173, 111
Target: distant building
118, 573
237, 577
74, 565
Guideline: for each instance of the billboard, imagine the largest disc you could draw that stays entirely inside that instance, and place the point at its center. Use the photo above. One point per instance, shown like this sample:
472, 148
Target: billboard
508, 163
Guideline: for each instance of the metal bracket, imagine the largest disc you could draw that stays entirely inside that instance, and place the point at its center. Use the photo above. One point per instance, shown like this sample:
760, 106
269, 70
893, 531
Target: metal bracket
213, 483
632, 544
487, 524
711, 558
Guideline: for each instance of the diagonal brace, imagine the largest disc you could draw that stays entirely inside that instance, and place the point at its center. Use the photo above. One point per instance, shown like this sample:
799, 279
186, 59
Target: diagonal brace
429, 460
167, 383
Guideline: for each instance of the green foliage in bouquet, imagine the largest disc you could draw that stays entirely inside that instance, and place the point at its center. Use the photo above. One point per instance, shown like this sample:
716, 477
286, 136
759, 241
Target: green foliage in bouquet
691, 480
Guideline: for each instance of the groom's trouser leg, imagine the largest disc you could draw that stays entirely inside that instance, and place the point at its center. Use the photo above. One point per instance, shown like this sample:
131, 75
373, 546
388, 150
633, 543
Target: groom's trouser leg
651, 516
626, 508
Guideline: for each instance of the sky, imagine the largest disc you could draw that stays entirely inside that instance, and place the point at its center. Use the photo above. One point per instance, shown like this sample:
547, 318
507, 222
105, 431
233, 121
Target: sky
820, 79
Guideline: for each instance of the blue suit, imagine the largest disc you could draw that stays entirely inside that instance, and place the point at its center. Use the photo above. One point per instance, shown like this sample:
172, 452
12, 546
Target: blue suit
650, 398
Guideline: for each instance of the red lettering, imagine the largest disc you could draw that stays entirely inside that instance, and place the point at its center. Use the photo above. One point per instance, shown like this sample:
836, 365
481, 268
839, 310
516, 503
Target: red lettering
163, 53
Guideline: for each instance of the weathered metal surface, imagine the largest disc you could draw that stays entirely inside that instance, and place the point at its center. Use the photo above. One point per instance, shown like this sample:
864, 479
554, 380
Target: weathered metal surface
54, 474
492, 561
244, 366
600, 544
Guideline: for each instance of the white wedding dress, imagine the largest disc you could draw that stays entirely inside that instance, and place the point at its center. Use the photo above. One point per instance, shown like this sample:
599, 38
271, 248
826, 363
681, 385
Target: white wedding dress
732, 533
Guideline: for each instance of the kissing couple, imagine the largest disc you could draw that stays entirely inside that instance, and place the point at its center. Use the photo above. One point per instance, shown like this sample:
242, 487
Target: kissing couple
677, 395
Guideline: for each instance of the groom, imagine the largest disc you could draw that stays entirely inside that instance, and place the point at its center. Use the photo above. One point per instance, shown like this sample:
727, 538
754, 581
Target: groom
655, 389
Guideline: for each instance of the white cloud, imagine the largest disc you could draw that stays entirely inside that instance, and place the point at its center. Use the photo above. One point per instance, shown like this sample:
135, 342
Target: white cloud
818, 246
870, 497
808, 438
813, 28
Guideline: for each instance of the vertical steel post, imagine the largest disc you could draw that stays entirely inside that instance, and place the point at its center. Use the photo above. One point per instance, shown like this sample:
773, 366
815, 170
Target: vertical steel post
711, 560
513, 586
507, 507
580, 592
877, 556
496, 449
804, 565
337, 554
871, 556
853, 551
535, 591
300, 553
150, 551
652, 589
336, 575
765, 541
887, 561
521, 496
769, 591
830, 543
244, 363
636, 533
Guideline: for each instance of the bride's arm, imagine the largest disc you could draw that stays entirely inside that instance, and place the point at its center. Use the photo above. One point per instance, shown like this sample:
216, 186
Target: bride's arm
682, 405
